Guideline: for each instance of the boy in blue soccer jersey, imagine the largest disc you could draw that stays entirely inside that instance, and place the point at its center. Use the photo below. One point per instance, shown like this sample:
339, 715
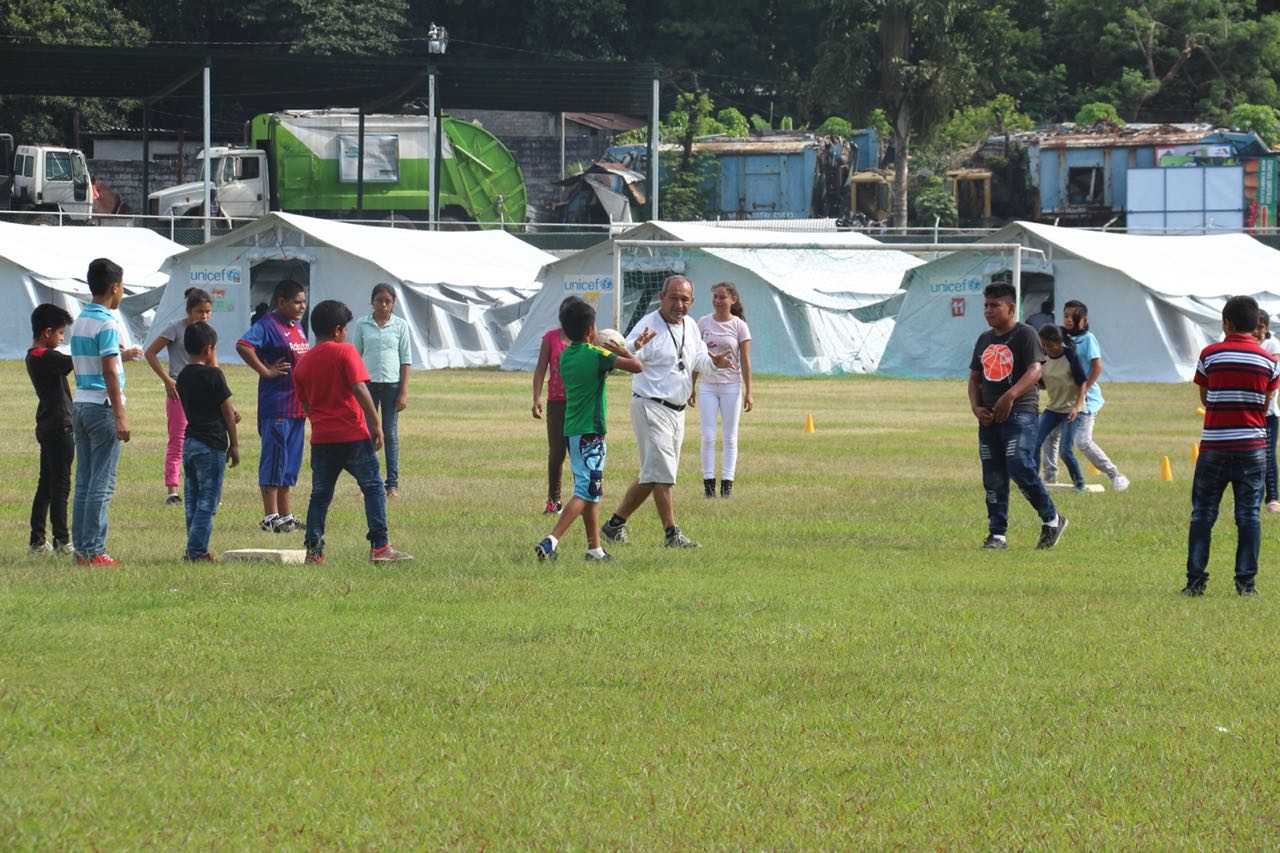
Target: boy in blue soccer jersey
272, 347
97, 411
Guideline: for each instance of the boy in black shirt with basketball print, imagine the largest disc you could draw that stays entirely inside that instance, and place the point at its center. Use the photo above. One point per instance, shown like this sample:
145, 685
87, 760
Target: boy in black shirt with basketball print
48, 370
1004, 398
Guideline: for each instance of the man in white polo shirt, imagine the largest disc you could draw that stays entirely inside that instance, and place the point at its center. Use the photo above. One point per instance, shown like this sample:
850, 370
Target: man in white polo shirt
659, 394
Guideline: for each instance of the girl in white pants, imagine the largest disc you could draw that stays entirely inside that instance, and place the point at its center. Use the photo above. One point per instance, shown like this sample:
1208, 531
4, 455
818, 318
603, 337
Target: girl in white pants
727, 392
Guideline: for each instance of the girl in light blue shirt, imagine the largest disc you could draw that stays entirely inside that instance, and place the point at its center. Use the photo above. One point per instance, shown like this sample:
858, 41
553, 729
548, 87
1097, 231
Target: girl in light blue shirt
382, 339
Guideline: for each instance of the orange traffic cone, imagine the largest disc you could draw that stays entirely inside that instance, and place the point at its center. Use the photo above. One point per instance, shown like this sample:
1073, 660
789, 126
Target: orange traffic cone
808, 423
1166, 470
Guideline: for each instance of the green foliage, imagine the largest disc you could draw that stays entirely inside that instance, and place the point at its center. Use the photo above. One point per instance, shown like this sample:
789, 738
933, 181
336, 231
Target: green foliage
970, 125
760, 124
787, 123
327, 27
931, 200
734, 123
837, 127
878, 120
1092, 113
1262, 120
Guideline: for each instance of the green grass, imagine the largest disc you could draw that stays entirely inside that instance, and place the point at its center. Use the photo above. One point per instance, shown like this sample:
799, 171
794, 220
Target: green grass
838, 666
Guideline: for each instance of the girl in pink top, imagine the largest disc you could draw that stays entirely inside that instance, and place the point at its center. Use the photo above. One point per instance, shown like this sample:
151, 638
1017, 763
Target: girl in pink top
553, 343
724, 330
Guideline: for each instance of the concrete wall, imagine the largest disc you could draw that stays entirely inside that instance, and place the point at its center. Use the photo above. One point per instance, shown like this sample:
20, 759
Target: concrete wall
125, 177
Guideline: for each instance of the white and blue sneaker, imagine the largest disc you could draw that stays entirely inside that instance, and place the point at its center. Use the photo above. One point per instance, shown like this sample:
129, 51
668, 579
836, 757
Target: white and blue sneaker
545, 550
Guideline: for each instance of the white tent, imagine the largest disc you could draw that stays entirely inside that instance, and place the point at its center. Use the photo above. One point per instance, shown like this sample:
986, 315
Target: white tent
806, 306
41, 263
1154, 301
460, 291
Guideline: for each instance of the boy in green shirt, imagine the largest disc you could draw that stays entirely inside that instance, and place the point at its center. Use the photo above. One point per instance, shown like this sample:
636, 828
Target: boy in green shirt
584, 367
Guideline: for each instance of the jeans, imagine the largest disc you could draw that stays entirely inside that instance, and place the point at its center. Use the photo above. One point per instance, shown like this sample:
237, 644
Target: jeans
1049, 421
1273, 423
384, 396
1215, 469
204, 468
360, 460
97, 452
57, 451
1006, 450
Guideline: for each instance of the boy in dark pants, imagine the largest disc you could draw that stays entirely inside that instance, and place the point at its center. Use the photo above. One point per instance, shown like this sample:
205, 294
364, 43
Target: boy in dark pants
1003, 396
48, 370
210, 439
1236, 379
345, 431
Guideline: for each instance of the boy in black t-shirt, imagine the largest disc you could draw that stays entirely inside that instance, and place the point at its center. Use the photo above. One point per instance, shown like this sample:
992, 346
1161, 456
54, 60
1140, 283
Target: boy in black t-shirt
211, 436
1003, 395
48, 370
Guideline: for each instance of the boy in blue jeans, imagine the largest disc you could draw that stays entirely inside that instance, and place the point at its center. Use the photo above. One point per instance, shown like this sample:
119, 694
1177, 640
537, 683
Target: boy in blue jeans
346, 435
584, 368
97, 411
210, 442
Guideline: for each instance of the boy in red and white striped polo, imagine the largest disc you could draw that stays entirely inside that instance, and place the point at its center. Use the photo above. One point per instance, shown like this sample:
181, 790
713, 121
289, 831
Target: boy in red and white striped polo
1237, 378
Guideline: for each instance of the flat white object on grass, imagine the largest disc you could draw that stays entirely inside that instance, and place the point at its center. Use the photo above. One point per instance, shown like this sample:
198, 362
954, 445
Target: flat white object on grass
265, 555
1091, 487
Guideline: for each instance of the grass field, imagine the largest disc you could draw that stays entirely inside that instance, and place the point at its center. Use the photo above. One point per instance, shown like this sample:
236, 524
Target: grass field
838, 666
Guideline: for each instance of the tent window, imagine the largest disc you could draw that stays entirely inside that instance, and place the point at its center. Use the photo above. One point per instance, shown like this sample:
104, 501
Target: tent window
1085, 185
640, 289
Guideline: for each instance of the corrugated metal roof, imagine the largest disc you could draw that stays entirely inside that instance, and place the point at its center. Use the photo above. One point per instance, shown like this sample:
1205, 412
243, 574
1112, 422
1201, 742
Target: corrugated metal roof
606, 121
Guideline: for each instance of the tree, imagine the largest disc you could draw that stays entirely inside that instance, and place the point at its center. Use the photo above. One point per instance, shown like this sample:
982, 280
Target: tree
1092, 113
97, 22
1262, 120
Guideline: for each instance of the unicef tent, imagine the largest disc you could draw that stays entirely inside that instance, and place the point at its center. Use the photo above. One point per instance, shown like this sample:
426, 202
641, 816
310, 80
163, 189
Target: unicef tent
810, 309
42, 263
460, 291
1154, 301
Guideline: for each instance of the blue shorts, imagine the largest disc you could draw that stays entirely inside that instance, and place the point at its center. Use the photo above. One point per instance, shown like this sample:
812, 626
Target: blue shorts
282, 445
586, 460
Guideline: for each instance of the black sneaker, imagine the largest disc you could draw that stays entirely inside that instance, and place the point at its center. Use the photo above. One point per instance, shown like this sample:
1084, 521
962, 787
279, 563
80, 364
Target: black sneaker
315, 554
1049, 536
726, 488
1194, 589
709, 488
603, 558
1246, 588
995, 543
618, 535
677, 539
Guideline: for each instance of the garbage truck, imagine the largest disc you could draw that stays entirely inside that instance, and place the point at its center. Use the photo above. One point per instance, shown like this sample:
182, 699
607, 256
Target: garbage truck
308, 162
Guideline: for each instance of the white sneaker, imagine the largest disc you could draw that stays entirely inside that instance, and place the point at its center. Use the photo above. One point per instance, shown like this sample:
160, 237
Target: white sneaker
1119, 482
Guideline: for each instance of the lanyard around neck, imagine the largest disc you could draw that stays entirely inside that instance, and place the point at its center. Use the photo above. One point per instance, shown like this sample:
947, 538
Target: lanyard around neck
683, 331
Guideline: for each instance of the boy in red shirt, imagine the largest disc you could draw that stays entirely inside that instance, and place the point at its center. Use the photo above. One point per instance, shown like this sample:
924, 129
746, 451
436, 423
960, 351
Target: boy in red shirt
1237, 378
331, 385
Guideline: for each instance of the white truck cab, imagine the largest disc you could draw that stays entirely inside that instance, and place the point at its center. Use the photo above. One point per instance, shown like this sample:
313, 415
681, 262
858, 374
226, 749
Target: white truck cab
239, 191
48, 178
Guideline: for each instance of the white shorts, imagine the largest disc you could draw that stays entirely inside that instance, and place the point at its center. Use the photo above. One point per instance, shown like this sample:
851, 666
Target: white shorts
659, 434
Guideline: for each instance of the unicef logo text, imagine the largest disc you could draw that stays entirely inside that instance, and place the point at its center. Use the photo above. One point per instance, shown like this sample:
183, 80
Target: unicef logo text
968, 285
589, 285
230, 275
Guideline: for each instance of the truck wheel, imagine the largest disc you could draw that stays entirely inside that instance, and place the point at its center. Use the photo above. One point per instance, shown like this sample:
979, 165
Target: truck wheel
400, 220
456, 219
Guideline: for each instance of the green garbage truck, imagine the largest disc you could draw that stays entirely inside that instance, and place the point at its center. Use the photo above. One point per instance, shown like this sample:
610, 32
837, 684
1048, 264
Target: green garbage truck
308, 162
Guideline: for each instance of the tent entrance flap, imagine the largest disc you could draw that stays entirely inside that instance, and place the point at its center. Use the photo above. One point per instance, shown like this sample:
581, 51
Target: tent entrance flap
265, 275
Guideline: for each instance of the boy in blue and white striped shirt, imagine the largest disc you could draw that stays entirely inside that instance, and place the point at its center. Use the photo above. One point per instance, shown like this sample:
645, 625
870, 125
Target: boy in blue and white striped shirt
97, 411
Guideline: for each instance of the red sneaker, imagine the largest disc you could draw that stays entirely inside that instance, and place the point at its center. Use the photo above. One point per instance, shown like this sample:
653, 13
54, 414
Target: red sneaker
387, 554
102, 560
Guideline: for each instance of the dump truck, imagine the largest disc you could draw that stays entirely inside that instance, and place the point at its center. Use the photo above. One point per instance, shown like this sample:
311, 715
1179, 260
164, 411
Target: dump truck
309, 163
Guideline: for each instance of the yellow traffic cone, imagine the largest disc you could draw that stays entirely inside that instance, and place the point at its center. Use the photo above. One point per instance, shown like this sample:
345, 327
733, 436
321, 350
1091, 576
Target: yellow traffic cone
1166, 470
808, 423
1093, 469
1195, 451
